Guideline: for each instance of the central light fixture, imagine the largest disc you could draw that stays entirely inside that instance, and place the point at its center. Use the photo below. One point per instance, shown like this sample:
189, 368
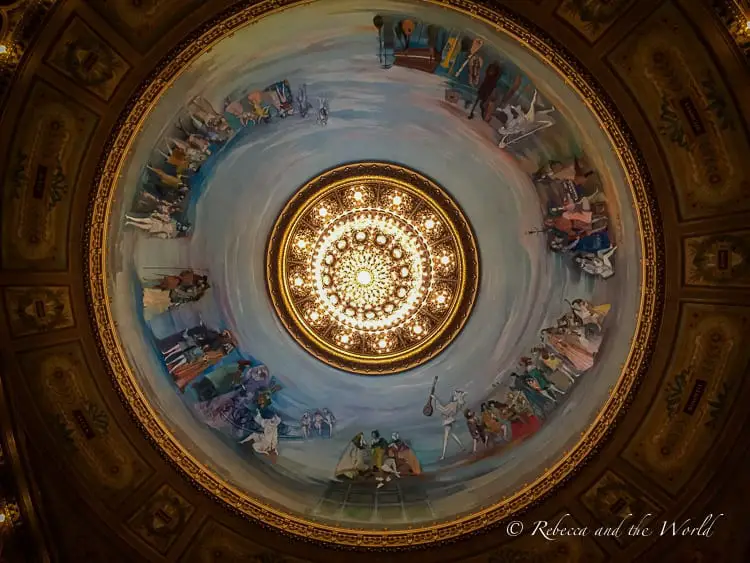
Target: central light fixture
372, 268
364, 277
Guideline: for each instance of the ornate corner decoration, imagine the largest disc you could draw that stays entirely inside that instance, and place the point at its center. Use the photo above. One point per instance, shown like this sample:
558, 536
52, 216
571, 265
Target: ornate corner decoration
20, 24
735, 16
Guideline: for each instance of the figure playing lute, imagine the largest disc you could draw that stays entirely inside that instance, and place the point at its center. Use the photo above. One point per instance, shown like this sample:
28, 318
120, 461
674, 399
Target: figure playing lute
428, 408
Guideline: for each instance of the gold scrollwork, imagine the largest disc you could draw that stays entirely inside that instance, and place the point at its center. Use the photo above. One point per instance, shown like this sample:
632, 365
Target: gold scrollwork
558, 58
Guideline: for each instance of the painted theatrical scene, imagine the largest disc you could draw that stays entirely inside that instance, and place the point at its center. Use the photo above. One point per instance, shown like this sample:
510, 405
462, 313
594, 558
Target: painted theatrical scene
399, 449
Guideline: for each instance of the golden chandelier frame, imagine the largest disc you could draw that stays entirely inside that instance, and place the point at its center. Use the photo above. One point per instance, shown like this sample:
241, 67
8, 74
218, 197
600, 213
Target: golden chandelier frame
239, 501
426, 197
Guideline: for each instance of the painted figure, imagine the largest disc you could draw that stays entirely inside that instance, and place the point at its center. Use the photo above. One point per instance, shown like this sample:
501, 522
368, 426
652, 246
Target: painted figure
171, 291
406, 461
449, 412
329, 420
318, 421
554, 363
158, 225
229, 411
267, 441
538, 381
260, 111
538, 403
476, 429
303, 104
597, 264
383, 461
487, 87
590, 315
355, 461
305, 424
322, 112
517, 124
191, 352
495, 424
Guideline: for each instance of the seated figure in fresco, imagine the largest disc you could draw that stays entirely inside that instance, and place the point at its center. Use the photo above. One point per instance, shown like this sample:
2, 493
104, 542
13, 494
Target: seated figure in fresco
258, 383
382, 459
539, 403
236, 110
589, 314
598, 263
168, 203
266, 441
537, 380
552, 363
406, 461
260, 112
194, 151
355, 461
522, 416
495, 426
193, 362
589, 243
208, 121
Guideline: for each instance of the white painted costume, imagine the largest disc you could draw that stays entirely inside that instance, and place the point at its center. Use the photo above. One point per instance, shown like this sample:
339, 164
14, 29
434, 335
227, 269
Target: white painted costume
266, 442
449, 412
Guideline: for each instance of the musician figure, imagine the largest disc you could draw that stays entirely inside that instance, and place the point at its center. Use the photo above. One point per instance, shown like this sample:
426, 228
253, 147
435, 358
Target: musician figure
449, 411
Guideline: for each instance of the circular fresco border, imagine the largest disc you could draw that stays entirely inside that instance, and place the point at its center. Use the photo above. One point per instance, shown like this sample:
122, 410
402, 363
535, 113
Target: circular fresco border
652, 288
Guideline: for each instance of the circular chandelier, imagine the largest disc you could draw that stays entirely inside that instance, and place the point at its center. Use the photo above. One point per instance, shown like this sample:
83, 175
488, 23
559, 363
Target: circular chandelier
372, 268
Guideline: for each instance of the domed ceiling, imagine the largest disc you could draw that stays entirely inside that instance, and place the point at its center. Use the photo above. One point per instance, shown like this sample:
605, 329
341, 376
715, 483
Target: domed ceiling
377, 271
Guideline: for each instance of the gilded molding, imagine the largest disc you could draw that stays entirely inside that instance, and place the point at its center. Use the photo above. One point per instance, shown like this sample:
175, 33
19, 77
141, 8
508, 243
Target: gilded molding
22, 22
643, 342
736, 19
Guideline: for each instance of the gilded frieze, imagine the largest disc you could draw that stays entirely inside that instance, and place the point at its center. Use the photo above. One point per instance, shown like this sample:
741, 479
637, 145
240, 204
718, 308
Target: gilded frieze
687, 102
692, 407
50, 140
82, 426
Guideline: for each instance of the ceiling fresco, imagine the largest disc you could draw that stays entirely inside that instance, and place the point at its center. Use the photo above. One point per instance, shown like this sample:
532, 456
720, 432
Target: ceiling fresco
534, 181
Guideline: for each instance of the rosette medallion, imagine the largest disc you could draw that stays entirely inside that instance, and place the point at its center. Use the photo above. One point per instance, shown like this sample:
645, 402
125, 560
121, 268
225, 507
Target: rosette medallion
372, 268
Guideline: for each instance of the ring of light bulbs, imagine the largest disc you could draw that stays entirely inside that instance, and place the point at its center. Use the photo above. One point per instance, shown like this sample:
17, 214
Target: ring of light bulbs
370, 273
